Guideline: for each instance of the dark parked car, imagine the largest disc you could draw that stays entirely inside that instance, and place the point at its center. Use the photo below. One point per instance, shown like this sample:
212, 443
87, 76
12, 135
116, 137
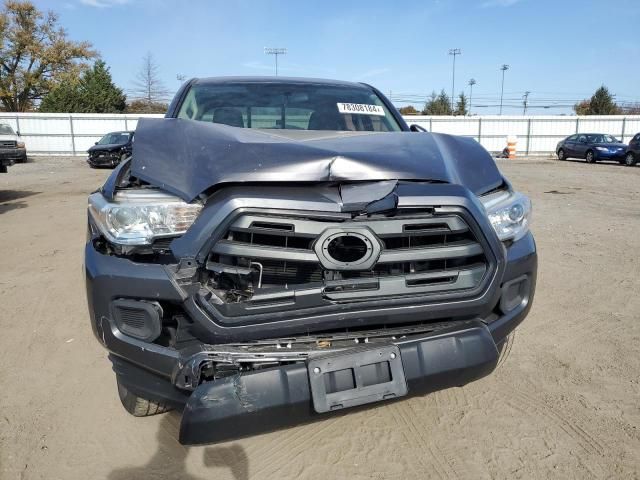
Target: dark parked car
112, 149
633, 151
593, 147
276, 249
12, 148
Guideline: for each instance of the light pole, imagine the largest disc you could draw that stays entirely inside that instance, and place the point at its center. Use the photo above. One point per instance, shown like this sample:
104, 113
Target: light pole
180, 77
525, 99
504, 68
472, 82
275, 52
454, 52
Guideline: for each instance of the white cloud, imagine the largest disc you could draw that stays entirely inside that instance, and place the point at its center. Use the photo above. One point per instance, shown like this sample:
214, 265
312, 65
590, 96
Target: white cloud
103, 3
499, 3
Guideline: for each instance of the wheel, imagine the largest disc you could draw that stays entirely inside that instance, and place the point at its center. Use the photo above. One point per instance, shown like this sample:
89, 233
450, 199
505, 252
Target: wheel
138, 406
630, 160
591, 158
561, 155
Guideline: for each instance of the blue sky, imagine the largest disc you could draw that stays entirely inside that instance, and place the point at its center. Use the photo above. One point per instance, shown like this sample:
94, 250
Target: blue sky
560, 51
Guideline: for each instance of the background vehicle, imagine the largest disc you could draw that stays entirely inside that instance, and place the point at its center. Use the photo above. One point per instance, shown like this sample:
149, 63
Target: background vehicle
113, 148
633, 151
278, 248
12, 148
592, 147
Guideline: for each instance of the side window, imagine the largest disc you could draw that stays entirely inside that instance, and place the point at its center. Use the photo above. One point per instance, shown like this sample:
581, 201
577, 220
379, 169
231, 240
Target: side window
636, 138
572, 138
582, 138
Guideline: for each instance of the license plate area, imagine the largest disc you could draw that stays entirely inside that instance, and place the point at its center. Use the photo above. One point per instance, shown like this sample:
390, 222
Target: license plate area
355, 377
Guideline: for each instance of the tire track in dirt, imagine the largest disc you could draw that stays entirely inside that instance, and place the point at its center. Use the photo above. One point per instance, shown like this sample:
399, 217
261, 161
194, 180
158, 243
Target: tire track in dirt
519, 399
291, 447
403, 413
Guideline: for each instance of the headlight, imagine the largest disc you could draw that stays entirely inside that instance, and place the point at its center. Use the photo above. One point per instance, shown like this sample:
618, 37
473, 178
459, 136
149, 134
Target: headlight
602, 149
509, 214
20, 144
138, 217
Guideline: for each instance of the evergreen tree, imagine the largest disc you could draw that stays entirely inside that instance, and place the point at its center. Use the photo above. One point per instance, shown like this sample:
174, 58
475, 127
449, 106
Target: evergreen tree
461, 105
601, 103
93, 92
438, 104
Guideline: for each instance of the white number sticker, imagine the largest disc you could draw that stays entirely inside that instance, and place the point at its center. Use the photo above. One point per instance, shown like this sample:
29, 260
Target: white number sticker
361, 109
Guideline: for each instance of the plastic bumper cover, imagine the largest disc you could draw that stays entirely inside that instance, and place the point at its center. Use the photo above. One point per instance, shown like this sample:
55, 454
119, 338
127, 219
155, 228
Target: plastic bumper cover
266, 400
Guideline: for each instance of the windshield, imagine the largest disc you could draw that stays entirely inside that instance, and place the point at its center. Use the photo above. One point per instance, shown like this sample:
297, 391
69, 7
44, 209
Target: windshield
116, 138
602, 139
6, 130
289, 106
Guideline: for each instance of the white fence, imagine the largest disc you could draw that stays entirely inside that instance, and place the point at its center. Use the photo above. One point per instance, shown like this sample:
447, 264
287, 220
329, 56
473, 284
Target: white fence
73, 134
66, 133
536, 135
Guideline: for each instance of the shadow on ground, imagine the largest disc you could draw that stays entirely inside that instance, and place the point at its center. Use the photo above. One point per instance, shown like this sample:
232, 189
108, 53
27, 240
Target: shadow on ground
170, 459
8, 199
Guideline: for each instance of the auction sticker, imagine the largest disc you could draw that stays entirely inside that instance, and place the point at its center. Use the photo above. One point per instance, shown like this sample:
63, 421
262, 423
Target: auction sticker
361, 108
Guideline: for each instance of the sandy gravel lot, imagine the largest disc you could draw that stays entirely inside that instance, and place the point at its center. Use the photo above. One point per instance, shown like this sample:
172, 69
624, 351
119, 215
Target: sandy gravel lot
566, 403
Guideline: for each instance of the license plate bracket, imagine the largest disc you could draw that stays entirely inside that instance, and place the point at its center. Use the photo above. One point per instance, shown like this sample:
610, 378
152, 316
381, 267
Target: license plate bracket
355, 377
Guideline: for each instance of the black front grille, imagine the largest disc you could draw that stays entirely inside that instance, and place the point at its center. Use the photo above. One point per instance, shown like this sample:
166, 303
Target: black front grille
8, 143
420, 253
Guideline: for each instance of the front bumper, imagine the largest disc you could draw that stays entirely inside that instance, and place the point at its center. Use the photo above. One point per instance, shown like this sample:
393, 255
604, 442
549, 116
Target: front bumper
610, 155
271, 398
106, 160
12, 155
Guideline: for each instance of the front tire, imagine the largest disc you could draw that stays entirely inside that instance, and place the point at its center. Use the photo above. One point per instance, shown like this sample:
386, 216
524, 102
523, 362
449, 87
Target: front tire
138, 406
630, 159
562, 155
590, 157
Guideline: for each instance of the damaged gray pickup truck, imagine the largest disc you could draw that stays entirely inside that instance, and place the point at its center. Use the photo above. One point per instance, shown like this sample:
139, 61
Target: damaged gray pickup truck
277, 249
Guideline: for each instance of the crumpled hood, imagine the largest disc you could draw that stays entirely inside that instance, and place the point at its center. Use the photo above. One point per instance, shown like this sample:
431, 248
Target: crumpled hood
110, 147
187, 157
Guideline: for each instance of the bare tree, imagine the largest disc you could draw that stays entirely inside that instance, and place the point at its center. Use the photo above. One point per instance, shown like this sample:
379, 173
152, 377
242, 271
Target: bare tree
147, 85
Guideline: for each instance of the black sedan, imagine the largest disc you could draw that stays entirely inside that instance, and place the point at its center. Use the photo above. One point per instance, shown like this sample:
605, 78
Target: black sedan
633, 151
113, 148
592, 147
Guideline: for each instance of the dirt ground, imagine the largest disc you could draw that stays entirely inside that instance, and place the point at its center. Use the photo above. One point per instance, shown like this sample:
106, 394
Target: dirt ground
565, 404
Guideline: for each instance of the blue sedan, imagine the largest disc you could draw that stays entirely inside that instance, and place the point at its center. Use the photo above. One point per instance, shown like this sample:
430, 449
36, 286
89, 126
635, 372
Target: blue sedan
592, 147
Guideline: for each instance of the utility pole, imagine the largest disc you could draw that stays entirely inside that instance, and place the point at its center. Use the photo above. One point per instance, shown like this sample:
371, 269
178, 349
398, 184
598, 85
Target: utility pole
454, 52
180, 77
275, 52
472, 82
525, 98
504, 68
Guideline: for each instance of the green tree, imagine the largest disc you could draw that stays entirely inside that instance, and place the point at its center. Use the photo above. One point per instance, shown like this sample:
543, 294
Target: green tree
34, 53
94, 92
408, 110
461, 105
601, 103
438, 104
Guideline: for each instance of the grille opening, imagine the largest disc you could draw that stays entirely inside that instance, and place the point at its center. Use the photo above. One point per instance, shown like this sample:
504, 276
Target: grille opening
419, 282
272, 226
271, 240
426, 227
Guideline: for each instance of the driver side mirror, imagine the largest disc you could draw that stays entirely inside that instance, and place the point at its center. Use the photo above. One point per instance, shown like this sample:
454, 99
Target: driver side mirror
96, 143
18, 132
417, 128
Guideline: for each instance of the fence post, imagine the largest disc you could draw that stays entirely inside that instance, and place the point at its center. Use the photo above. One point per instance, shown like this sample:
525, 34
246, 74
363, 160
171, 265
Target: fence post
528, 136
624, 124
73, 138
430, 125
126, 125
17, 123
577, 124
480, 130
